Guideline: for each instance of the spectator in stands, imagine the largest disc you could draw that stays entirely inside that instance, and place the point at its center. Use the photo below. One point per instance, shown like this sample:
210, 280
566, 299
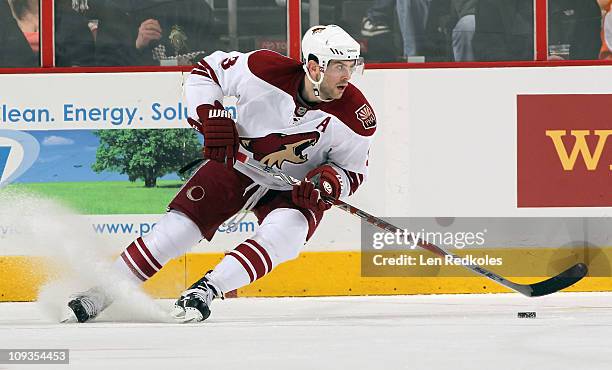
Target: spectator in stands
449, 30
574, 28
379, 18
19, 33
150, 32
463, 11
74, 41
412, 15
504, 30
606, 30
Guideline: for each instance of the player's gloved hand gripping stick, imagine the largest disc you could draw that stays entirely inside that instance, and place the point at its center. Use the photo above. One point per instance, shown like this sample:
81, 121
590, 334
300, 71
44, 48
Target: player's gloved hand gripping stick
548, 286
319, 191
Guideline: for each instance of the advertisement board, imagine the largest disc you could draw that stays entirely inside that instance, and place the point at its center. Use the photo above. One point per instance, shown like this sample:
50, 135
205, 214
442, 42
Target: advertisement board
564, 150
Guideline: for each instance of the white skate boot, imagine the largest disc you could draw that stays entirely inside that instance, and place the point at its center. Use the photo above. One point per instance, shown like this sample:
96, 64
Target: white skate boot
86, 305
194, 304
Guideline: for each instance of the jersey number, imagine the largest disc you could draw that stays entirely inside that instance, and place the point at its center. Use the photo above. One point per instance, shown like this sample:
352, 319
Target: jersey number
228, 62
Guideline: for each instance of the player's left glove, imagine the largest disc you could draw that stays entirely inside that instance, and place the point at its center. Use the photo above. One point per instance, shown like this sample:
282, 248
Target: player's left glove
327, 180
322, 182
306, 195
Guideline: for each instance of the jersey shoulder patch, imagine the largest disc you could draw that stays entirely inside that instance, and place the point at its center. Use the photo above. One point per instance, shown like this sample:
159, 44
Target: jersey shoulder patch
275, 69
354, 110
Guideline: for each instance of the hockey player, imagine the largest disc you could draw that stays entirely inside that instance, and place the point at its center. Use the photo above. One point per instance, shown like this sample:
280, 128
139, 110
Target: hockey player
305, 119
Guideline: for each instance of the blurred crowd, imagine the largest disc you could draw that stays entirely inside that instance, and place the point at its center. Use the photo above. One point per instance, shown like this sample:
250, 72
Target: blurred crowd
179, 32
109, 32
488, 30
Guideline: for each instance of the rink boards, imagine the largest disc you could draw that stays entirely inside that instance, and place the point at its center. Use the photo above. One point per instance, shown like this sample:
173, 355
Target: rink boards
312, 274
450, 142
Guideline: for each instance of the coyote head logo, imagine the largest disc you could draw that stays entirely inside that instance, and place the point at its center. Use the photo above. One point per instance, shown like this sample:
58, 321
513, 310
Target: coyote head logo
274, 149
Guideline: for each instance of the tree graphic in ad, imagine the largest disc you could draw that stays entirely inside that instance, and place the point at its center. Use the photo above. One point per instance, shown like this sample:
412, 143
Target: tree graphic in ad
145, 154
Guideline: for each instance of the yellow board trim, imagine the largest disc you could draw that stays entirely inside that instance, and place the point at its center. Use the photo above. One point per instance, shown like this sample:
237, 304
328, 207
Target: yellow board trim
324, 274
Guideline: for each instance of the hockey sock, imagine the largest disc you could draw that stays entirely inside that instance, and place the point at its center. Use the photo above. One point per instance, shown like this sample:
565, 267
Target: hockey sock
241, 266
139, 260
171, 237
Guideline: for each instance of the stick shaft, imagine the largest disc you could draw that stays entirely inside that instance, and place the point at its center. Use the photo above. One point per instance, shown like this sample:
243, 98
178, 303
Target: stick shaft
551, 285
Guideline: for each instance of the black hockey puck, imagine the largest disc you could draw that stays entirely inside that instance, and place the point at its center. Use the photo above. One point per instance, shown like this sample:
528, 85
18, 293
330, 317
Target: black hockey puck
526, 315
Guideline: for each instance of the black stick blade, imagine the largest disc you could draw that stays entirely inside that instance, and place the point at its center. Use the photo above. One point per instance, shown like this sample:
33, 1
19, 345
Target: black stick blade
565, 279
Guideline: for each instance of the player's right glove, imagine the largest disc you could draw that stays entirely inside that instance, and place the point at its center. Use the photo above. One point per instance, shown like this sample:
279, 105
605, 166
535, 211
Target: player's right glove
219, 130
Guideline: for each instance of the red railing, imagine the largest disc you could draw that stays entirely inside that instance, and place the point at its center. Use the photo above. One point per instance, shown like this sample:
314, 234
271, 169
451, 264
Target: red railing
294, 28
540, 25
47, 33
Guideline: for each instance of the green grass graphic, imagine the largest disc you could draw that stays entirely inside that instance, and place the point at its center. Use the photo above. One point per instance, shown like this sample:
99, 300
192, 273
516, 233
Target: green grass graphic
106, 198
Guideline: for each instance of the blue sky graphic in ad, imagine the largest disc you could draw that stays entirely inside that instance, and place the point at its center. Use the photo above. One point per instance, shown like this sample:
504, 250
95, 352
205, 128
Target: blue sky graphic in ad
18, 151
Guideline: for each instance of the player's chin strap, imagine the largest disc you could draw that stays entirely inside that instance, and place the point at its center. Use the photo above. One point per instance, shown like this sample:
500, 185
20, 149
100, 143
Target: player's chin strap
316, 85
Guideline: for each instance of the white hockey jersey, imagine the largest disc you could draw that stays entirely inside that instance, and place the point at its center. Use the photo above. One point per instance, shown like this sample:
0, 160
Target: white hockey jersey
274, 124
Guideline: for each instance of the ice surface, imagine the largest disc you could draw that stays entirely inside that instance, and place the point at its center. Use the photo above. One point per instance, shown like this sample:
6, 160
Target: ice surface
571, 331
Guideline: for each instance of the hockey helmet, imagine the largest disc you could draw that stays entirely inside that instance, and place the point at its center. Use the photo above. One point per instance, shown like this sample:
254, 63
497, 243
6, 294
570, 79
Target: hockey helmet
326, 43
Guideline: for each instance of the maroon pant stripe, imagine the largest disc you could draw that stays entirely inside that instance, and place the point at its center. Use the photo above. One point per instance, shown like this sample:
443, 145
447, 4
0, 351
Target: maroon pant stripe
254, 258
129, 264
263, 253
243, 263
140, 261
148, 253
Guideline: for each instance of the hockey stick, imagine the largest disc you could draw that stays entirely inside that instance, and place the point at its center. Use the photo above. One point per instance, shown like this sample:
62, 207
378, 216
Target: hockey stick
561, 281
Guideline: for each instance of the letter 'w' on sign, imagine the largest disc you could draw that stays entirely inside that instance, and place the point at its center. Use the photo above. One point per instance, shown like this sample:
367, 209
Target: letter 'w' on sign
580, 147
4, 153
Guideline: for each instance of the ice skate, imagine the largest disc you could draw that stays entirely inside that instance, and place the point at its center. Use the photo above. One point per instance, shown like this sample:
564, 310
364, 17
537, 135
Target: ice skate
194, 303
86, 305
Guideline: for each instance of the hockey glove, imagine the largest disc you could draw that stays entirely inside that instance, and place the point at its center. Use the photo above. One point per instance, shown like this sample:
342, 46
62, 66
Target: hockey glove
305, 195
219, 130
322, 180
327, 180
